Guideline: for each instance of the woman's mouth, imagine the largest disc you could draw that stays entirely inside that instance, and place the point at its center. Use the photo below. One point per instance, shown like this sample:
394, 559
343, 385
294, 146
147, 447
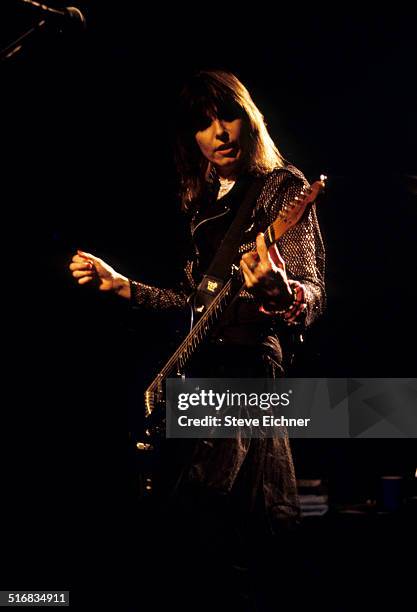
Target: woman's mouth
226, 149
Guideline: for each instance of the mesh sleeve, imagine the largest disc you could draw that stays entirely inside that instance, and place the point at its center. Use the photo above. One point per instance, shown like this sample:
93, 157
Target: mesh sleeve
301, 246
162, 299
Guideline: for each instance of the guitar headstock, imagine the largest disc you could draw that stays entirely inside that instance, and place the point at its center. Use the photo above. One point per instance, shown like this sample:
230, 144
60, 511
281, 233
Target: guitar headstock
291, 213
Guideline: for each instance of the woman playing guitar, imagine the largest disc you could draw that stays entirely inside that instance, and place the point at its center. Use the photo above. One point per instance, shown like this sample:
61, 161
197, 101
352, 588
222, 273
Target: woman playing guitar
223, 148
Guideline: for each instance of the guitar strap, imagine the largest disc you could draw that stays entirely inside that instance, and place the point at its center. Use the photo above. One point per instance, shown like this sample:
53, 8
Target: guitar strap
219, 269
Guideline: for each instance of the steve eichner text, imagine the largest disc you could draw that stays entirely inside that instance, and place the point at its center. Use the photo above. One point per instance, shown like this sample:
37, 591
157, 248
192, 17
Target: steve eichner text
221, 400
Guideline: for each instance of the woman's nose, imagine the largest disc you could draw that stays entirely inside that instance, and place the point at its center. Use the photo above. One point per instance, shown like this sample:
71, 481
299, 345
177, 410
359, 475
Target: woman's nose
221, 131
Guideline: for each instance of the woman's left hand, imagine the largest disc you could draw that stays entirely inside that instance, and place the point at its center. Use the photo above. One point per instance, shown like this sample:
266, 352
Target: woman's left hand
266, 277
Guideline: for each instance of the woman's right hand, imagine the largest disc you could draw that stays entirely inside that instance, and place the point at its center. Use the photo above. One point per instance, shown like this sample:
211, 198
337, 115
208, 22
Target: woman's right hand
85, 267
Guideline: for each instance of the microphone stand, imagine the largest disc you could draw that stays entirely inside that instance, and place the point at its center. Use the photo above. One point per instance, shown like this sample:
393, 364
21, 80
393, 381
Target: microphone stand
17, 45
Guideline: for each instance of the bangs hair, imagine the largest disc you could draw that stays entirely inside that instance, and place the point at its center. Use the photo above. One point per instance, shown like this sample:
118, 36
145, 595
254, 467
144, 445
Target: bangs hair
207, 101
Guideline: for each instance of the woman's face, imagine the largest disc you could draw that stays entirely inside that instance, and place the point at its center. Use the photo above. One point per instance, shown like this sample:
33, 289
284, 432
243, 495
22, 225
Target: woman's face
222, 144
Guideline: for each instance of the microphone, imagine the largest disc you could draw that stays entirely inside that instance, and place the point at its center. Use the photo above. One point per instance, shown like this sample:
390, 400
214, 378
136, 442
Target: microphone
70, 13
69, 16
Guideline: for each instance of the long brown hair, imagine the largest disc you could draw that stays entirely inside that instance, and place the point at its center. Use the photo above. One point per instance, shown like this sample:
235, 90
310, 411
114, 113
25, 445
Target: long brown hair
217, 93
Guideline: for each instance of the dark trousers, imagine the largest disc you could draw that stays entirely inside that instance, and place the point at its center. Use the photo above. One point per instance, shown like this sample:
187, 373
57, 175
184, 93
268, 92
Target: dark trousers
207, 549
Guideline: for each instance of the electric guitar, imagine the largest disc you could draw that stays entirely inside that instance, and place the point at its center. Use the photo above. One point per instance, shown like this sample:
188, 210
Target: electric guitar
207, 315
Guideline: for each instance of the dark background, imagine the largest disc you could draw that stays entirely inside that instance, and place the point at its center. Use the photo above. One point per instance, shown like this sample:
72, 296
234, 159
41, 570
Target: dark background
87, 124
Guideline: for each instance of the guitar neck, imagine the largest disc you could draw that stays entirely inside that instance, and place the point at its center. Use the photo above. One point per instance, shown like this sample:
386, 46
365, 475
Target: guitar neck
178, 361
